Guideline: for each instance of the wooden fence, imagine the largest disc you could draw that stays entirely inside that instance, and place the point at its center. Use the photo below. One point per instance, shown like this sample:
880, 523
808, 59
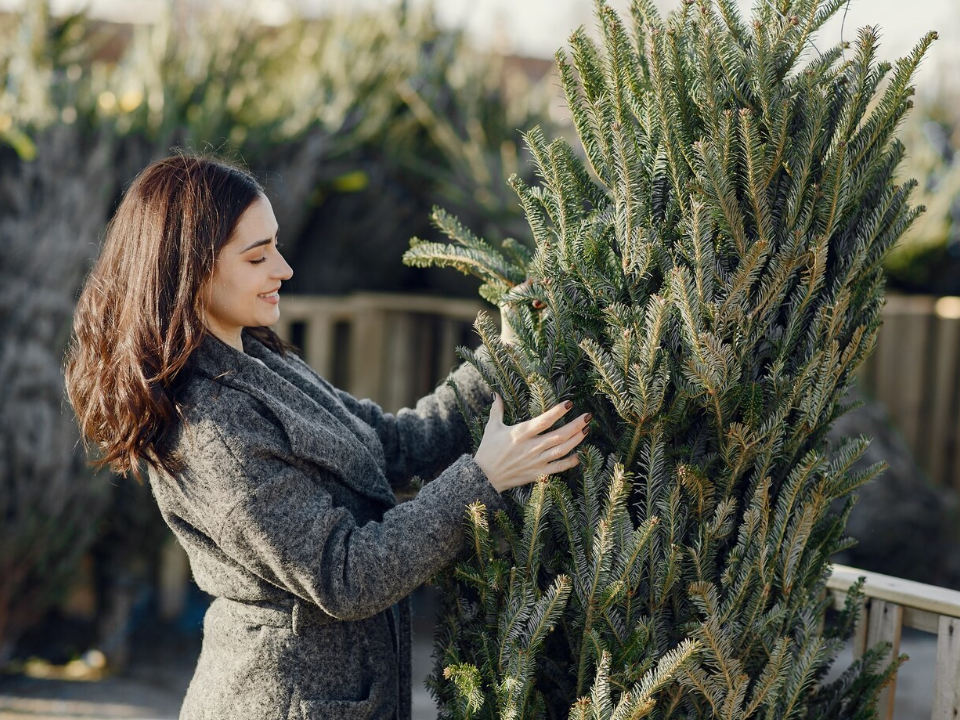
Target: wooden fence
892, 604
915, 372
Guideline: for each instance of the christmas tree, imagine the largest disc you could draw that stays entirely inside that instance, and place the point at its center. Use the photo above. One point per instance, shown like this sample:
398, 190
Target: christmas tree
709, 268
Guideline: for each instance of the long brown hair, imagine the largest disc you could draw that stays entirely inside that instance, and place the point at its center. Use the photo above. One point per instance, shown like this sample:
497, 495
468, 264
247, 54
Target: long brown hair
140, 313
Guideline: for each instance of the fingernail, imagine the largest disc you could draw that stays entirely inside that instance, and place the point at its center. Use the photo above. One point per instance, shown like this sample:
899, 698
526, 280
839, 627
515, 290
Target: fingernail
588, 417
586, 430
493, 397
568, 404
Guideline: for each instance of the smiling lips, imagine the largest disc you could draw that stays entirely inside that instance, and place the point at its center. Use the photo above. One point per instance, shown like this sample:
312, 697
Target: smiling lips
272, 297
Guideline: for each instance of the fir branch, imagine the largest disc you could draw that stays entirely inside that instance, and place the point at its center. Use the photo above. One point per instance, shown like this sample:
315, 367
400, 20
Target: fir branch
758, 174
712, 175
534, 512
583, 121
546, 613
677, 165
466, 680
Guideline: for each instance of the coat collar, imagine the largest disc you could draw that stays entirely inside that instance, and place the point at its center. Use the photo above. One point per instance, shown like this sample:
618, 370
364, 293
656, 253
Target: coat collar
317, 424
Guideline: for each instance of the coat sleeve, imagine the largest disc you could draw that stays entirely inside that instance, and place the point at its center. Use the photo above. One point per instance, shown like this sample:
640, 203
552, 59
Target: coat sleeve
284, 527
422, 440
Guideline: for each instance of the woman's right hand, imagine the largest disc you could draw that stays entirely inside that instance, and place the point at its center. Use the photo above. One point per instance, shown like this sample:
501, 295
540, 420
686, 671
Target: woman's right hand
514, 455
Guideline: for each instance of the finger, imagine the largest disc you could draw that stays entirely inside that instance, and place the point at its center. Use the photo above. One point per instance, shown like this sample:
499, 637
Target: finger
544, 422
559, 451
574, 428
496, 410
558, 466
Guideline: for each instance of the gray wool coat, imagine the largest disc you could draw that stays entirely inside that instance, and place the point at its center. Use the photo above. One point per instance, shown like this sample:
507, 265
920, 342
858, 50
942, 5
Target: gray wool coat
284, 503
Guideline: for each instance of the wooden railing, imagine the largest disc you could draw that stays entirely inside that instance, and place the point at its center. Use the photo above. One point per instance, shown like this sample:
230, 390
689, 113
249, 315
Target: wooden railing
390, 348
892, 604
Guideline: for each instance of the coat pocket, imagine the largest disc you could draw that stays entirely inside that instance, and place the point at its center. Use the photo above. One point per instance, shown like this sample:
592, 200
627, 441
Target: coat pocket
371, 708
336, 710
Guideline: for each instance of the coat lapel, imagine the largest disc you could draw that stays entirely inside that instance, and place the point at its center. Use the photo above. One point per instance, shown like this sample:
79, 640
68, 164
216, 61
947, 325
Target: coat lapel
317, 424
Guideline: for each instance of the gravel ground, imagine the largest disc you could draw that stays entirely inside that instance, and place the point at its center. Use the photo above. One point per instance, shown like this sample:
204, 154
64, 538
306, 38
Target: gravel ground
155, 683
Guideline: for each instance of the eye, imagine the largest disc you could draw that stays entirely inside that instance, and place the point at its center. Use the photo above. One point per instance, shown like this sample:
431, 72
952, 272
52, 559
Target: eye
276, 246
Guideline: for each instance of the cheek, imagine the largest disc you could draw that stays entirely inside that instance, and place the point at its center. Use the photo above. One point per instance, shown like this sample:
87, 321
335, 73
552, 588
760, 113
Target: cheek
238, 295
222, 296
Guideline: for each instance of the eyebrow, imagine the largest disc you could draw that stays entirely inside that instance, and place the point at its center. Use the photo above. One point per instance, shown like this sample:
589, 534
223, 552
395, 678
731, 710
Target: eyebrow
258, 243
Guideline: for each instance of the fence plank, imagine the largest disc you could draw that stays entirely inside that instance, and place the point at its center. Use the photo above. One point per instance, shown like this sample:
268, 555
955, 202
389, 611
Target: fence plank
943, 428
367, 353
946, 689
884, 624
860, 632
318, 343
904, 364
948, 317
447, 345
401, 333
885, 359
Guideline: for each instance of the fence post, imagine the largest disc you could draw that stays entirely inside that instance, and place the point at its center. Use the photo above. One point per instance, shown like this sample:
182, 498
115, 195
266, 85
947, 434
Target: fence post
366, 351
884, 624
447, 345
401, 354
860, 631
318, 342
943, 419
946, 688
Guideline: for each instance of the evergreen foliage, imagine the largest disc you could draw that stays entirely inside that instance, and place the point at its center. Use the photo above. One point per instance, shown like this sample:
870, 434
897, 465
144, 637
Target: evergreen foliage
711, 274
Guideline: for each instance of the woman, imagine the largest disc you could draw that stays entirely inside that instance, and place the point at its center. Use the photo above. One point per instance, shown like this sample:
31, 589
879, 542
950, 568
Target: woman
279, 486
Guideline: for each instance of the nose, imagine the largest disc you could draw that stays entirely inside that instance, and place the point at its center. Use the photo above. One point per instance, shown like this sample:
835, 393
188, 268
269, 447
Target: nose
283, 271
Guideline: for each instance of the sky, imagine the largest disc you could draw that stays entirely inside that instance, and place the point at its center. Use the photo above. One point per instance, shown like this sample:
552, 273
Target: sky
540, 27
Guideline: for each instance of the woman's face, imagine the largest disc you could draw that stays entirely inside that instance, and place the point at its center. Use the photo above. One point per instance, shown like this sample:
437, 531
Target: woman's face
243, 290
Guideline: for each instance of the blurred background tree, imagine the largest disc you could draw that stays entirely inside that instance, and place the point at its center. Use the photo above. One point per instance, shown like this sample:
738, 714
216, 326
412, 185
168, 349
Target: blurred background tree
927, 260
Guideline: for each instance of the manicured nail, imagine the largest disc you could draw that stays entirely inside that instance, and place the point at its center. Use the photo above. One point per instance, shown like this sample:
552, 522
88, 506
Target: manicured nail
586, 430
568, 404
588, 417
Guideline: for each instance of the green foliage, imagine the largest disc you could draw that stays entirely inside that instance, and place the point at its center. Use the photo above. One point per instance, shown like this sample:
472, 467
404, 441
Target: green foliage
928, 256
386, 107
711, 271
